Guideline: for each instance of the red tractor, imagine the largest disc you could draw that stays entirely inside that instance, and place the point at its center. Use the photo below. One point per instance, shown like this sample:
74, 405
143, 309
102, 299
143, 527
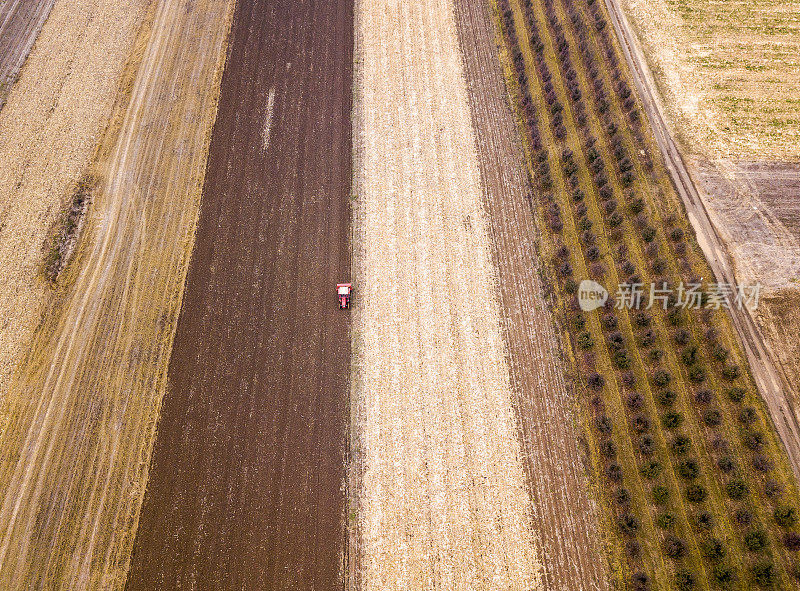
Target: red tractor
344, 290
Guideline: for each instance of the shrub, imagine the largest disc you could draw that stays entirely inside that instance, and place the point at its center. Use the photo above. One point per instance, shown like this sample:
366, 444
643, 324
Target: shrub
736, 489
696, 493
666, 397
762, 463
637, 205
684, 580
719, 352
646, 445
697, 374
665, 520
748, 415
585, 340
640, 582
614, 473
656, 355
649, 233
726, 464
621, 359
713, 549
610, 321
763, 574
642, 319
635, 400
622, 496
754, 440
596, 381
785, 516
731, 371
628, 524
661, 378
604, 425
608, 449
633, 548
682, 336
648, 338
672, 420
755, 540
712, 417
650, 469
703, 396
674, 547
735, 394
792, 541
743, 517
704, 520
681, 445
676, 234
660, 494
688, 469
723, 575
640, 423
773, 489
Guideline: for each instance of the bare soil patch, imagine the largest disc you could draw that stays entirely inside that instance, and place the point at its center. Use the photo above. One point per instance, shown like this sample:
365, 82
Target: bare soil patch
246, 488
564, 515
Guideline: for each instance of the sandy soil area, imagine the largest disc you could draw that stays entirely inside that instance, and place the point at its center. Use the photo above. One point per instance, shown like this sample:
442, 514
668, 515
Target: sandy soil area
246, 486
49, 131
564, 514
81, 410
20, 23
728, 72
443, 501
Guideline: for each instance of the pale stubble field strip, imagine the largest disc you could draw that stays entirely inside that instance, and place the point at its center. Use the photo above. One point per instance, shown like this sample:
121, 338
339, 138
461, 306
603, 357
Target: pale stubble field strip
442, 496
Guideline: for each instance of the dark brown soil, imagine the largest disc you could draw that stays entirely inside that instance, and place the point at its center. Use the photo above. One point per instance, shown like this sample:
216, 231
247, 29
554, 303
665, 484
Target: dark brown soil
246, 489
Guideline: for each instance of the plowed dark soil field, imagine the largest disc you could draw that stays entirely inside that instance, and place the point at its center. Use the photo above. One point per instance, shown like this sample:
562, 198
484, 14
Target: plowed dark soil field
246, 489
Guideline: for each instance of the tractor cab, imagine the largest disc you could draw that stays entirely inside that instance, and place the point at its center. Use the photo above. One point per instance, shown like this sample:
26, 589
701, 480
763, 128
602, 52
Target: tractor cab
343, 290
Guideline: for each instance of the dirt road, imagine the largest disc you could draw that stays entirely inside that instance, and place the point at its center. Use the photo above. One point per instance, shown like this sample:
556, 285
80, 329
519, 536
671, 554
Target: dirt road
443, 502
782, 408
564, 515
246, 488
81, 410
20, 23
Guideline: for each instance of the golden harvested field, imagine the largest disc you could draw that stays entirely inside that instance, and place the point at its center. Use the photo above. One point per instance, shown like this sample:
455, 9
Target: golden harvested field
729, 72
20, 23
49, 131
78, 433
442, 499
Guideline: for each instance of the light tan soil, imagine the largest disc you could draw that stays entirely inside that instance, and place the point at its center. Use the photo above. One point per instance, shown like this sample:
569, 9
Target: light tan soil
20, 23
564, 515
81, 410
49, 131
728, 73
443, 501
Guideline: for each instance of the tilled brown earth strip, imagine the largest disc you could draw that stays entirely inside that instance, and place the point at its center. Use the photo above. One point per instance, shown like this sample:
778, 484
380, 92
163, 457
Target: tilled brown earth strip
564, 515
246, 486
